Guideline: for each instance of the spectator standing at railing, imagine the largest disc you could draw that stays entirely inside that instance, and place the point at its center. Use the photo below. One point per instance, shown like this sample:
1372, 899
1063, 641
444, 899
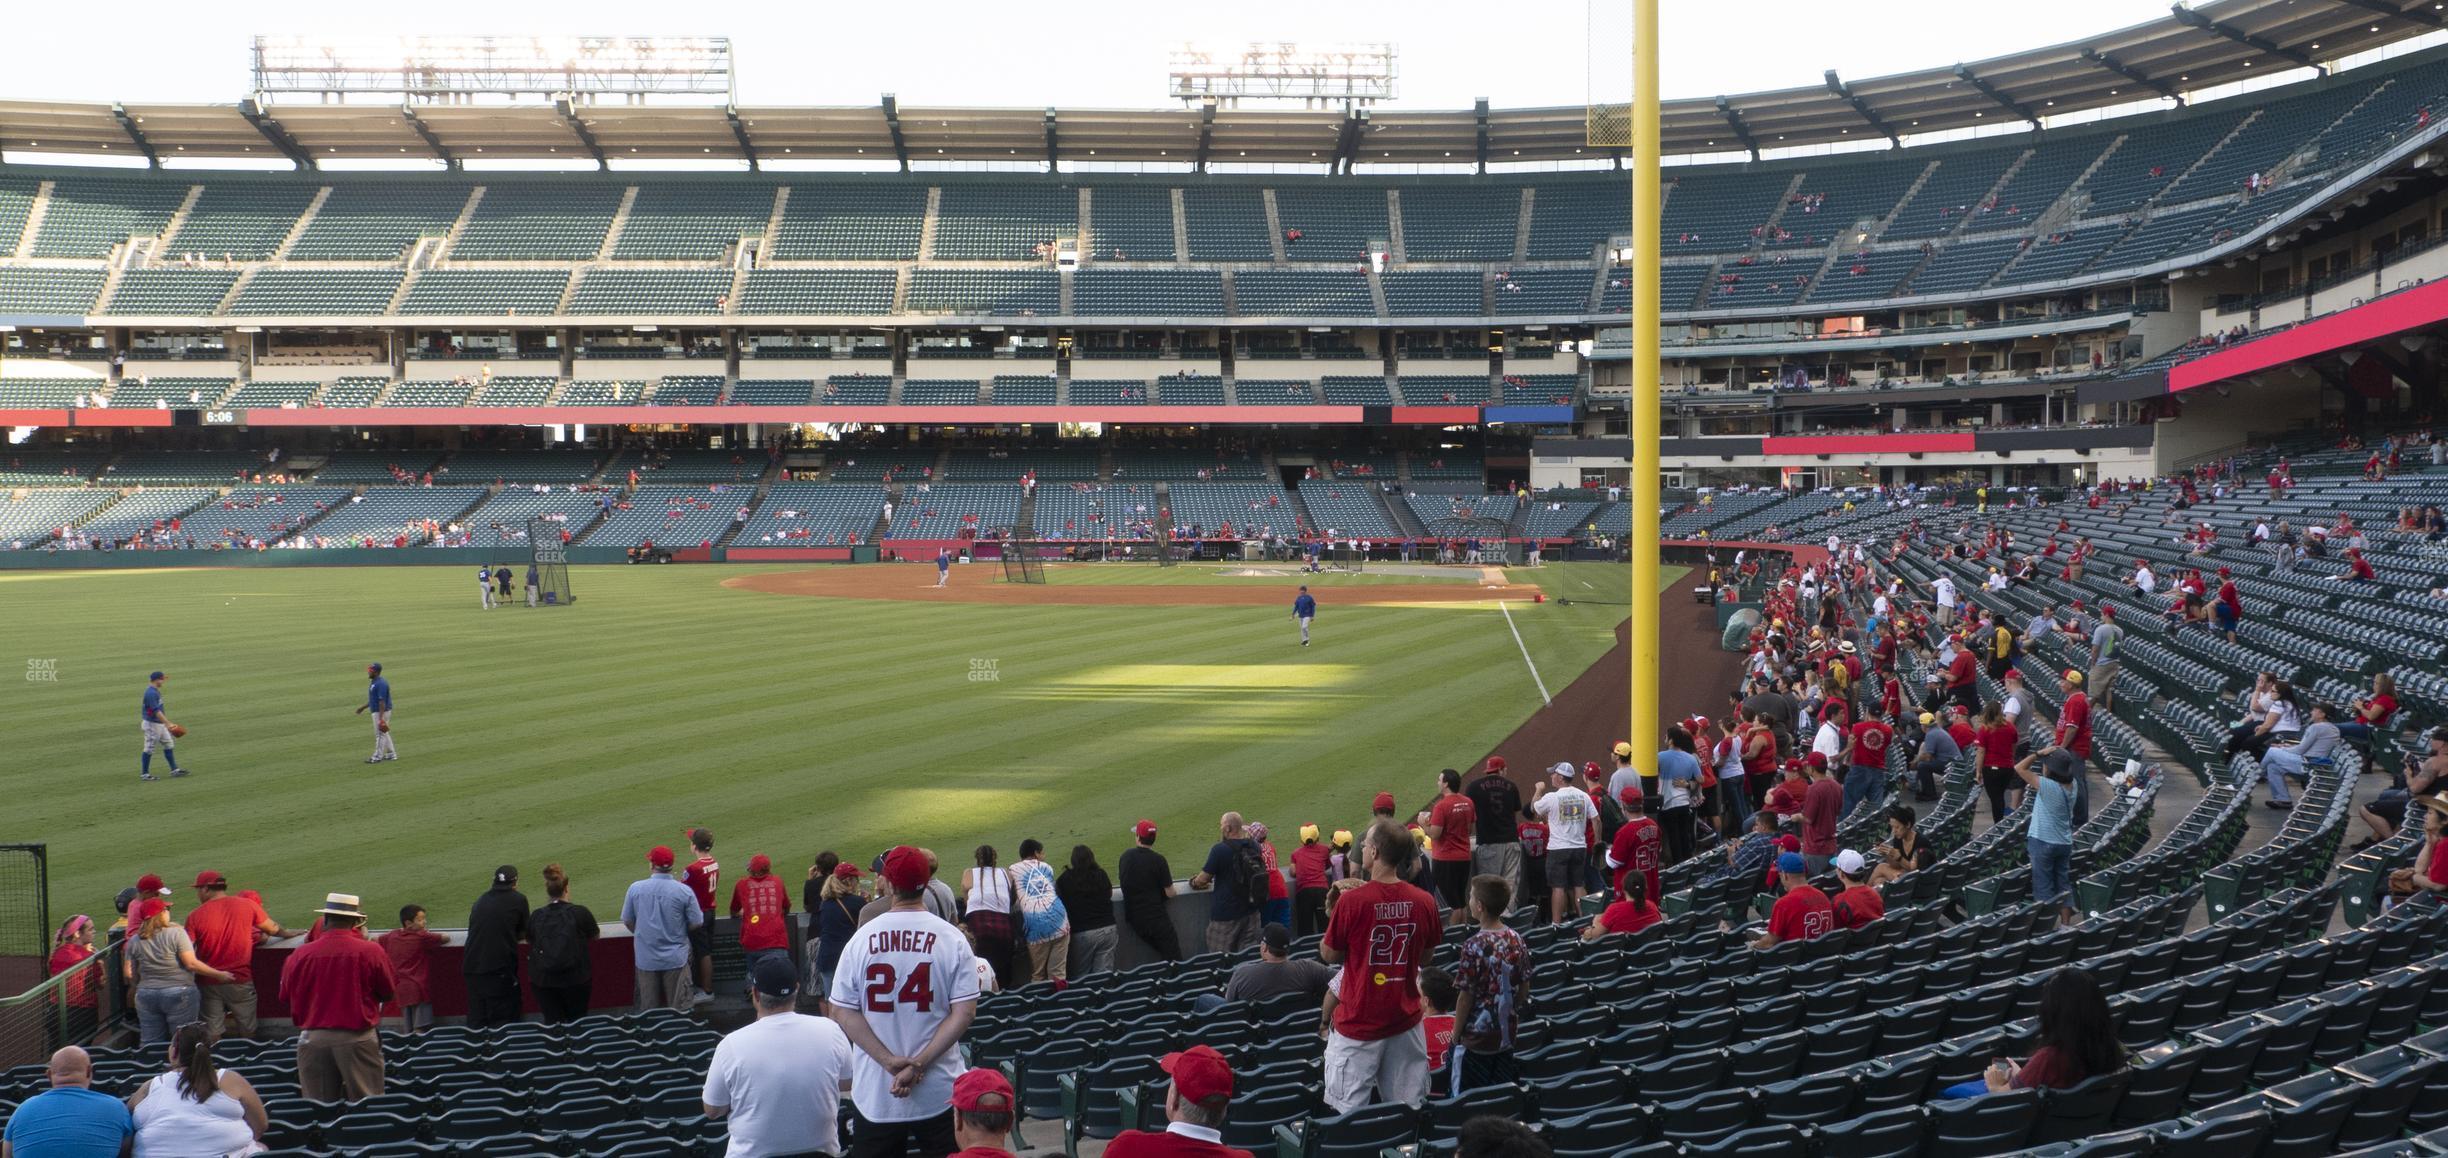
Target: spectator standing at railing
489, 961
335, 988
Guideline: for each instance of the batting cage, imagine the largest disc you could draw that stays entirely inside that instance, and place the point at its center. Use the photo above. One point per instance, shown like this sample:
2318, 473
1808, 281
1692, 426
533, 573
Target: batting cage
1021, 563
37, 1017
1166, 555
1473, 540
550, 559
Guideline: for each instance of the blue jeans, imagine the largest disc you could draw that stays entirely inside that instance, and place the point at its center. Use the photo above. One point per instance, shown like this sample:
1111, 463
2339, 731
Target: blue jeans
1863, 782
2355, 732
159, 1012
2279, 763
2052, 871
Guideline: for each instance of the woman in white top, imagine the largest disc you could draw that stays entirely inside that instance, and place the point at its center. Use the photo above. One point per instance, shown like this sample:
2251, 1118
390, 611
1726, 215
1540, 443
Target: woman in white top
988, 892
196, 1110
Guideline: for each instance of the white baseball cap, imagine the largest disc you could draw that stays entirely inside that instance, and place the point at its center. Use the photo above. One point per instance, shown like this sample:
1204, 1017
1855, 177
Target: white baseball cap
1565, 769
1848, 862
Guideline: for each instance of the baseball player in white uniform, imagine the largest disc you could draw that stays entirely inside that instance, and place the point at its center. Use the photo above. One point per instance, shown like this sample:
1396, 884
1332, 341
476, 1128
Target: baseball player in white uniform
157, 731
905, 991
378, 701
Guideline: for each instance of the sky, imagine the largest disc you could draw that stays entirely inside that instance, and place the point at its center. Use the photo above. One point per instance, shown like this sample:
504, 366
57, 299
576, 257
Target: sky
1075, 53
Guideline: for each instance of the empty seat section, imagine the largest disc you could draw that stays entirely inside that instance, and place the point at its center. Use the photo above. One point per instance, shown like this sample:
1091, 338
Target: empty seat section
49, 291
693, 221
651, 291
355, 391
88, 216
1347, 508
379, 220
2374, 127
1274, 392
308, 292
182, 466
1335, 223
1190, 390
486, 291
146, 391
522, 466
264, 513
1445, 464
670, 516
503, 518
136, 513
1356, 390
1302, 293
690, 466
1210, 506
1540, 291
1130, 223
1950, 194
1964, 265
539, 221
1108, 392
1555, 518
1435, 293
517, 390
1569, 220
2282, 128
1458, 511
1066, 514
432, 392
385, 515
855, 390
879, 464
31, 517
939, 392
19, 468
1177, 292
2064, 254
770, 392
814, 515
1862, 276
171, 292
985, 292
688, 390
272, 395
945, 510
1005, 221
1538, 389
1769, 279
1716, 212
1834, 199
818, 291
1460, 223
1024, 390
239, 219
1226, 224
851, 223
376, 466
1677, 286
602, 393
16, 204
2150, 160
1050, 464
1444, 389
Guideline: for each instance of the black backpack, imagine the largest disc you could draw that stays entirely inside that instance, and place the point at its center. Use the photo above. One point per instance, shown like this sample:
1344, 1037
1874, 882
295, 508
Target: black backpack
1252, 872
554, 945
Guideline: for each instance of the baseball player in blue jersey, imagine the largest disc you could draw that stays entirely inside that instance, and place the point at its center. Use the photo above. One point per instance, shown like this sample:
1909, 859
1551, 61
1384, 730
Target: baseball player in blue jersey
1304, 609
157, 730
484, 586
943, 566
378, 701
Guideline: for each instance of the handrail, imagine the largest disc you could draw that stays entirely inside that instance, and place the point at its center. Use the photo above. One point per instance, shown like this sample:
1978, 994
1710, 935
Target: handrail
69, 1009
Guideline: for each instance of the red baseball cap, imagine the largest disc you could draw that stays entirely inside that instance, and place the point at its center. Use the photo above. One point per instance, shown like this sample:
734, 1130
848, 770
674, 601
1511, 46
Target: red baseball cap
1383, 803
1199, 1072
1495, 764
1816, 760
152, 883
1789, 843
846, 871
150, 908
1631, 793
984, 1090
1590, 769
906, 870
1144, 829
209, 878
659, 856
760, 864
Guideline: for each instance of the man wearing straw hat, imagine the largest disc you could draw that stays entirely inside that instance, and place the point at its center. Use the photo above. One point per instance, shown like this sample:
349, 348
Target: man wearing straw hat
335, 988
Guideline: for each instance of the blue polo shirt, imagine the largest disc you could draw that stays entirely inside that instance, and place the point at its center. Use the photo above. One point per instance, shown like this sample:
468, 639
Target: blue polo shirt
661, 911
1304, 606
152, 705
378, 694
69, 1122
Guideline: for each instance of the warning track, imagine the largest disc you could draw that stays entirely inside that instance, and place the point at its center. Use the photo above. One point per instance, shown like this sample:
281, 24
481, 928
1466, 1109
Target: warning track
916, 584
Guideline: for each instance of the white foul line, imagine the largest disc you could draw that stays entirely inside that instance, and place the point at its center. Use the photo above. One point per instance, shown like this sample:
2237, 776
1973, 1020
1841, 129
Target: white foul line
1525, 650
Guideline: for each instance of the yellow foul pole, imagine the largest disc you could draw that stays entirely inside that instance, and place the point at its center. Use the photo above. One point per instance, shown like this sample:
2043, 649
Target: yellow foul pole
1642, 542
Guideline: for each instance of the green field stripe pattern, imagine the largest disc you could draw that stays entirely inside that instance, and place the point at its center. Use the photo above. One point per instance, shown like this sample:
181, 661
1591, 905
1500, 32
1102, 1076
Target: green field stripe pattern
787, 725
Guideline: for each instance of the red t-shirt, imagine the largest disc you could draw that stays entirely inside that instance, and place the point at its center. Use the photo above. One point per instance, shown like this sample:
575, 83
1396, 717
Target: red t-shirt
1997, 744
1440, 1032
1626, 917
1785, 797
1801, 914
1533, 837
1822, 807
2439, 861
1384, 932
2385, 706
1762, 762
763, 906
1455, 817
700, 876
2362, 568
2074, 725
223, 930
1964, 736
1153, 1144
410, 952
1858, 906
1637, 847
1870, 743
1964, 670
1308, 869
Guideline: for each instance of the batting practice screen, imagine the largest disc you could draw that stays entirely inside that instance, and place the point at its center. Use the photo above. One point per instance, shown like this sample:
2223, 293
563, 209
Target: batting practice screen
551, 561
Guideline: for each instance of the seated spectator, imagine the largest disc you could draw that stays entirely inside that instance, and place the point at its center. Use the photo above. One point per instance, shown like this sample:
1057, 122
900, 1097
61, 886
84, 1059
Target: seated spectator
1904, 850
1858, 904
1630, 914
1802, 913
196, 1107
1275, 971
2315, 747
983, 1113
69, 1120
1750, 857
1195, 1104
2078, 1041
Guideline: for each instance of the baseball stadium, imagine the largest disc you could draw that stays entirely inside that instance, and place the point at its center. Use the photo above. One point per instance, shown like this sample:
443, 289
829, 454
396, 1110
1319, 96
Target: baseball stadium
1899, 615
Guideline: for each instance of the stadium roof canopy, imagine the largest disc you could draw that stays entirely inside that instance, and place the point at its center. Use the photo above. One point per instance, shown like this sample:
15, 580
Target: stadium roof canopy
2195, 47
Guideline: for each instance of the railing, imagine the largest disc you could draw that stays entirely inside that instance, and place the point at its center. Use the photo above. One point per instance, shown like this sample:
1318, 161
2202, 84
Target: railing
69, 1009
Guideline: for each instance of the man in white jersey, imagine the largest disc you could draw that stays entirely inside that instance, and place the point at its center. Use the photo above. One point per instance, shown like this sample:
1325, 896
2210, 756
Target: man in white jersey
905, 991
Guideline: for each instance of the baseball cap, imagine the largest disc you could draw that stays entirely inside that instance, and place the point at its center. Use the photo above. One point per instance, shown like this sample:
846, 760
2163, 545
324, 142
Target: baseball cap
846, 871
760, 864
1816, 760
659, 856
1199, 1072
1788, 842
506, 875
1495, 764
1590, 769
1308, 832
149, 908
1561, 768
373, 669
1342, 838
774, 977
1276, 938
154, 676
151, 883
1383, 803
1144, 829
1631, 793
984, 1090
2072, 676
1928, 718
1791, 862
1623, 748
1849, 862
211, 879
126, 897
906, 869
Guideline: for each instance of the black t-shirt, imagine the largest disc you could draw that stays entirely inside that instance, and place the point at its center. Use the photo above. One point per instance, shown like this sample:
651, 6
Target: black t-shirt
1087, 895
1495, 802
1145, 877
1262, 979
496, 925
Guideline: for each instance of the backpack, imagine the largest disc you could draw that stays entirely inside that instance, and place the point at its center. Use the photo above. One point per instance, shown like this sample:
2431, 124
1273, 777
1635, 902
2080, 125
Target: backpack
1250, 871
553, 942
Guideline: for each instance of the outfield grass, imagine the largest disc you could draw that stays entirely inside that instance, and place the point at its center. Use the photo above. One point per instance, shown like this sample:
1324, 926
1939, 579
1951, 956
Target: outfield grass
786, 725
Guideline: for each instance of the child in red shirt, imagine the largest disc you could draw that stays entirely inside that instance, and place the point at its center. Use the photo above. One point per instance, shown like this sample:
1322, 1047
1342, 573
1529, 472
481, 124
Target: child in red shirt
1437, 996
410, 949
